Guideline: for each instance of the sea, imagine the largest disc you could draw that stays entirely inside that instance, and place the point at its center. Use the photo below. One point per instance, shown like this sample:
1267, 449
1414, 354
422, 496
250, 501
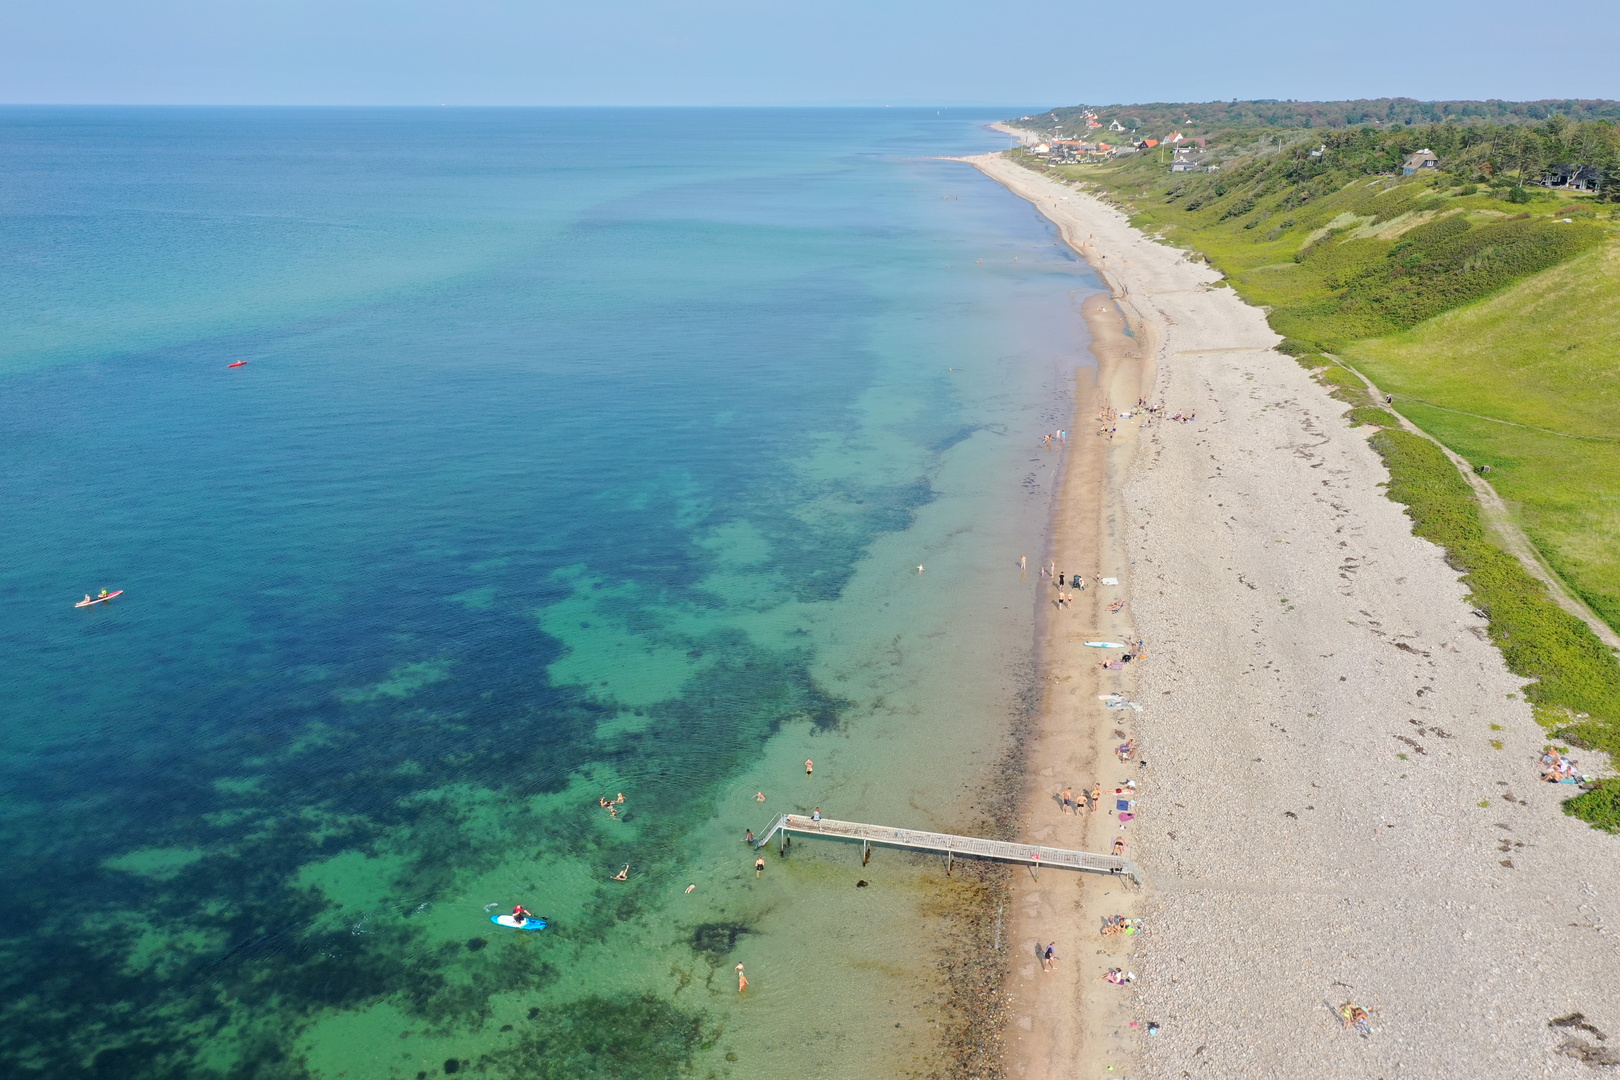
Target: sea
572, 455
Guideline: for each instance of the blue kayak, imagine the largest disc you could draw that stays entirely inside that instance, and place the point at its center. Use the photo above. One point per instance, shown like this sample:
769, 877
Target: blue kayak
526, 924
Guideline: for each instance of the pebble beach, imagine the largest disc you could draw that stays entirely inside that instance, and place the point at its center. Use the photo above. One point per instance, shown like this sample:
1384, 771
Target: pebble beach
1338, 799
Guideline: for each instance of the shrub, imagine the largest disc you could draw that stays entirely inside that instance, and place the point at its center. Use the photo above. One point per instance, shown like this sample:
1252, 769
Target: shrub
1600, 806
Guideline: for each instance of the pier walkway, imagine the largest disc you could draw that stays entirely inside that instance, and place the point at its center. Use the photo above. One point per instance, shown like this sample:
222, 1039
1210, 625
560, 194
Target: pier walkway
951, 846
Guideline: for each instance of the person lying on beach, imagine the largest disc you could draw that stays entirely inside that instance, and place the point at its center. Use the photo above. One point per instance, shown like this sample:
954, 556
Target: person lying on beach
1119, 976
1126, 750
1119, 845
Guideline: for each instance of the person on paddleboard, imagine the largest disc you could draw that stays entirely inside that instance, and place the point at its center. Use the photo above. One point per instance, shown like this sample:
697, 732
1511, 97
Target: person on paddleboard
102, 595
521, 914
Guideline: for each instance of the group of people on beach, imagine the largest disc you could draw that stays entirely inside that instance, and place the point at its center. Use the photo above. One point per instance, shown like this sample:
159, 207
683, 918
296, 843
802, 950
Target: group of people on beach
1059, 437
1076, 804
1134, 650
1558, 769
1062, 582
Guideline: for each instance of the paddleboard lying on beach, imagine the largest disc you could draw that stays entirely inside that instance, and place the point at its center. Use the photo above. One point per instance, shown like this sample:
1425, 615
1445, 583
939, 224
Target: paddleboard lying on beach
1105, 644
527, 924
99, 599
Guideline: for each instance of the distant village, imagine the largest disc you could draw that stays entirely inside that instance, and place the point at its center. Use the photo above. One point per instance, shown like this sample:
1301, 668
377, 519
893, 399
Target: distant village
1181, 153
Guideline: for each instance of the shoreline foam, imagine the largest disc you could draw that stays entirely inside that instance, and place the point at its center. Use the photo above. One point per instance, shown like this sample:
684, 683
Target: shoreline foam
1342, 804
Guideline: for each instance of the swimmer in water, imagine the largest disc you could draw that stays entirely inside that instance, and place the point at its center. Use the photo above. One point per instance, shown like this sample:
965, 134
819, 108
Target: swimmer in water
759, 796
620, 799
759, 866
623, 875
689, 888
809, 767
742, 980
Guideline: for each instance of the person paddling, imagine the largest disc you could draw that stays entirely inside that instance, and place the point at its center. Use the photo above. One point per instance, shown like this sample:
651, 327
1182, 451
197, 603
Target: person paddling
521, 914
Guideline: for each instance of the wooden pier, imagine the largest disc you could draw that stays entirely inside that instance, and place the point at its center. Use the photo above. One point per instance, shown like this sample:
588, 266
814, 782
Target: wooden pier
951, 846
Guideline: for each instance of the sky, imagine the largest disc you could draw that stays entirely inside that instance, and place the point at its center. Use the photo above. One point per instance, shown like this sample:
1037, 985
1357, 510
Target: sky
1024, 53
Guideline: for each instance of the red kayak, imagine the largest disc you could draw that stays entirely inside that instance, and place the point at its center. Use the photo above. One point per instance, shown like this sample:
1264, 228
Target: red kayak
90, 600
239, 363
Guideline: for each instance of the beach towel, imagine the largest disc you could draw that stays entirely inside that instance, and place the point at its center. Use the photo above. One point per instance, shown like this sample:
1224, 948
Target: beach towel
1122, 804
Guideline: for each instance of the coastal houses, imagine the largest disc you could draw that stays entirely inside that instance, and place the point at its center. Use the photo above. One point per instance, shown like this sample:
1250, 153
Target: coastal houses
1418, 160
1573, 177
1188, 159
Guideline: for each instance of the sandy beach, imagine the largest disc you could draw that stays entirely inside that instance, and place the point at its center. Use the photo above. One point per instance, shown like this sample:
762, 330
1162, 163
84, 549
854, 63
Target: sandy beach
1337, 798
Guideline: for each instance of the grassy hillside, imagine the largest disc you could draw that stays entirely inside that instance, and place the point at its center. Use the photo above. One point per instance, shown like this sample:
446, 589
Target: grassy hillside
1490, 309
1528, 382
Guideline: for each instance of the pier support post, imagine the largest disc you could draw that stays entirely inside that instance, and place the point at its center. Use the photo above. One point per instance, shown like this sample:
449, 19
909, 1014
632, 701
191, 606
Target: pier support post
866, 851
947, 862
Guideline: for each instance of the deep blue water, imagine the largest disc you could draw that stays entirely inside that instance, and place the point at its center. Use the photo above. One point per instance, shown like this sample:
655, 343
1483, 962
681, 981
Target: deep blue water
519, 382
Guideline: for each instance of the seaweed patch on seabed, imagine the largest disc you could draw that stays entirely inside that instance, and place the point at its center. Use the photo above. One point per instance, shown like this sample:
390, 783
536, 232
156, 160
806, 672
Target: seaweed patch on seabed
223, 958
973, 962
646, 1038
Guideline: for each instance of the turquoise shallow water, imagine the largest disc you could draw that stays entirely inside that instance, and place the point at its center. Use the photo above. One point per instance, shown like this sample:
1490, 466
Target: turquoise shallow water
578, 452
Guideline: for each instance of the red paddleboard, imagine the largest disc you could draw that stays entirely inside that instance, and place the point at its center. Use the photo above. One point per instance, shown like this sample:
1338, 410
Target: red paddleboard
99, 599
239, 363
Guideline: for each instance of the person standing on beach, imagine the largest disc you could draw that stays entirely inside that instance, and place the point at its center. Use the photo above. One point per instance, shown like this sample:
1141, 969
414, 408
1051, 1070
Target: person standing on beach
1049, 957
1068, 799
1023, 563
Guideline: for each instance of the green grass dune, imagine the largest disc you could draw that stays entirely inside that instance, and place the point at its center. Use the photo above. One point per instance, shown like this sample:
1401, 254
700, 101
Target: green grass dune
1528, 383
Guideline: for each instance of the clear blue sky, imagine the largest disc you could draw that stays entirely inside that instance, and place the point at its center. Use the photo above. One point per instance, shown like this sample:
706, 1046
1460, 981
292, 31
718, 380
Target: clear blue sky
768, 52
